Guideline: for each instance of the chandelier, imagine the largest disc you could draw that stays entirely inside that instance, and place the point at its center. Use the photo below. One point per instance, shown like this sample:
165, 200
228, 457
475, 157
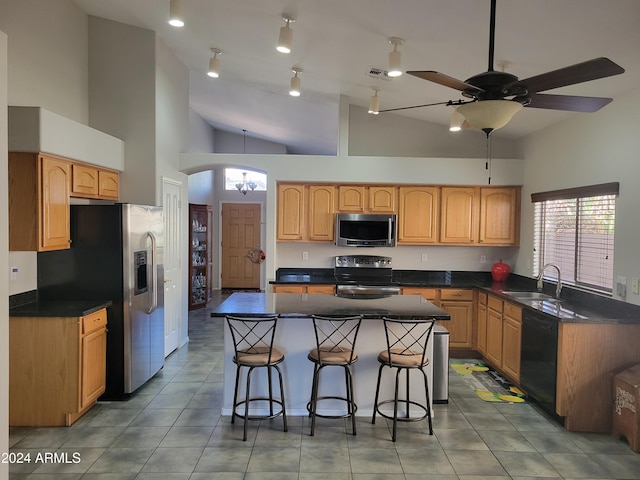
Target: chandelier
245, 186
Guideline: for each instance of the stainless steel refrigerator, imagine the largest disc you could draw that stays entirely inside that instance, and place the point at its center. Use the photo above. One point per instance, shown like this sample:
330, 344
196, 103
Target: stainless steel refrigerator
116, 254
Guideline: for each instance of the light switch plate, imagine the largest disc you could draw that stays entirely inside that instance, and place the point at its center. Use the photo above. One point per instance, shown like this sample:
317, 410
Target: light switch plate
634, 286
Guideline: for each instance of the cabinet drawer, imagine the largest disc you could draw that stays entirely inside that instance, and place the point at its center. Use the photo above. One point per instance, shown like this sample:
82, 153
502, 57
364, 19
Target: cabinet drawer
330, 289
455, 294
430, 294
482, 298
94, 321
512, 311
494, 303
289, 289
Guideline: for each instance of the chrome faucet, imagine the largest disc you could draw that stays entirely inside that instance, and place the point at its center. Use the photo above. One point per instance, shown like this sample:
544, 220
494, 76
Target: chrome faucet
558, 287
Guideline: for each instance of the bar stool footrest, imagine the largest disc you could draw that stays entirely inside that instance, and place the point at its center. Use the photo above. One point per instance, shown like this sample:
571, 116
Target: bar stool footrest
343, 399
404, 418
258, 417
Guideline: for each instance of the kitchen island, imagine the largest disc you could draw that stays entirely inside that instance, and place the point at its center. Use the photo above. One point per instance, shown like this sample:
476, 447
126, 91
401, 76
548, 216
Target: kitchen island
295, 336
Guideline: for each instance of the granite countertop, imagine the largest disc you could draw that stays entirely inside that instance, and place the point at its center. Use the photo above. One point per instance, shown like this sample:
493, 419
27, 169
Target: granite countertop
303, 305
58, 308
576, 306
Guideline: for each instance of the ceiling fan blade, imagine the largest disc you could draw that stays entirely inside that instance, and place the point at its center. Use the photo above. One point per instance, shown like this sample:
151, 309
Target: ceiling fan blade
580, 72
571, 103
442, 79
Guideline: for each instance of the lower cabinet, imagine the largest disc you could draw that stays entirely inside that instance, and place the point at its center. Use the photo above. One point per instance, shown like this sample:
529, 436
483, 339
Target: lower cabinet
327, 289
459, 304
57, 368
481, 322
503, 336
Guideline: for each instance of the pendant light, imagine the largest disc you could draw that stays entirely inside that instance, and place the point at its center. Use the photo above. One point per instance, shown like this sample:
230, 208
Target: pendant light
285, 40
176, 13
245, 186
374, 102
395, 58
214, 63
294, 89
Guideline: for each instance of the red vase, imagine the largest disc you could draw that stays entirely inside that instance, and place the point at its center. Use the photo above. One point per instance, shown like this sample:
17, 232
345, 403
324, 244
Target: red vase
500, 271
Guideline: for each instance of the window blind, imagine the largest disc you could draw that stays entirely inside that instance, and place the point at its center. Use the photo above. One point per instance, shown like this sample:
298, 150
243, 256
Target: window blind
575, 230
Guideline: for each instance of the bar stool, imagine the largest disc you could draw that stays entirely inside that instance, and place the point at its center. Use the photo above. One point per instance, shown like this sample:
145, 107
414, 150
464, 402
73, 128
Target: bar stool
406, 351
335, 347
253, 345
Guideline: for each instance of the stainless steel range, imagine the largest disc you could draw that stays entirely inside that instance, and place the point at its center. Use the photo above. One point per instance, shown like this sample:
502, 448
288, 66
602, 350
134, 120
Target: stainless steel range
364, 276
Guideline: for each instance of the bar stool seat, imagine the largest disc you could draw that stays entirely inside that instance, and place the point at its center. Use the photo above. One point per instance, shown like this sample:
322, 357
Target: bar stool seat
335, 347
253, 344
406, 351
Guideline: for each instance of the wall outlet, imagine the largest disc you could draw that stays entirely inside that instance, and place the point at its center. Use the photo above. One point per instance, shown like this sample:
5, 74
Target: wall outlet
14, 273
483, 259
305, 255
424, 257
621, 286
635, 288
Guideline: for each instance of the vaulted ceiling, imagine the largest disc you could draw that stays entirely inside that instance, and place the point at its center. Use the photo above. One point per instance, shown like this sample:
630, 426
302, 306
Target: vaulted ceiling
337, 42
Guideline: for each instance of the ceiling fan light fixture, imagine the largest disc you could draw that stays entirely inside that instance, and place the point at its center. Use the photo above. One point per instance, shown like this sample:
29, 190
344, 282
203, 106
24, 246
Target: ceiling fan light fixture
294, 89
489, 115
176, 13
395, 58
374, 102
285, 39
457, 119
214, 63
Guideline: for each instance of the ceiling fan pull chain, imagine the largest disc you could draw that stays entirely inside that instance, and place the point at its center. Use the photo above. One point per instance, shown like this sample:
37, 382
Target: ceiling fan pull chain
487, 164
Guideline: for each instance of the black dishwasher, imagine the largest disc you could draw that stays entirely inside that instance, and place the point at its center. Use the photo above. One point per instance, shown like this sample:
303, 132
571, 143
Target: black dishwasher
538, 359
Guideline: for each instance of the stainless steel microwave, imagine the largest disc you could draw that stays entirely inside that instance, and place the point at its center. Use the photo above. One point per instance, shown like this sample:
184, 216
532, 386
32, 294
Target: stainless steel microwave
366, 230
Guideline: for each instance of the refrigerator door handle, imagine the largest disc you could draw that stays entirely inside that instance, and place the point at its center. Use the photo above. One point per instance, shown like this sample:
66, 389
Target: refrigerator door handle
153, 291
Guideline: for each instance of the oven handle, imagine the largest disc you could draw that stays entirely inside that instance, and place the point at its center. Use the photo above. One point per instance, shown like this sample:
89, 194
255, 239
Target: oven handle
389, 230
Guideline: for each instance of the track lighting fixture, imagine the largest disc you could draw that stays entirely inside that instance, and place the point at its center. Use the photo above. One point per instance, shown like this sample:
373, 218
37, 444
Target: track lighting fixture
285, 40
294, 91
176, 13
214, 63
395, 58
374, 102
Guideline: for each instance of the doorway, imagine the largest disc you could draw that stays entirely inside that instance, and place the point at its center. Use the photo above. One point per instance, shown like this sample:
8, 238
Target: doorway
172, 193
240, 232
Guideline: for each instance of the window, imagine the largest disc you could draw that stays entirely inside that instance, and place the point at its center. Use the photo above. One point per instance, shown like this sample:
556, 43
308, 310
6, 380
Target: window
574, 229
233, 176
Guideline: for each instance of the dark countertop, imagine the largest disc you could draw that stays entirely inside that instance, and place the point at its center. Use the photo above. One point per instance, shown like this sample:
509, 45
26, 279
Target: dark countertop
576, 306
303, 305
58, 308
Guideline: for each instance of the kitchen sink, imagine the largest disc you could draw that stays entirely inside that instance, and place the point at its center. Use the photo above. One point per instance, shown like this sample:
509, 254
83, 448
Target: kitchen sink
531, 296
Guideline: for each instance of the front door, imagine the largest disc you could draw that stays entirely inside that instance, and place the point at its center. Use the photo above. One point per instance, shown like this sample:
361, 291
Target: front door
240, 235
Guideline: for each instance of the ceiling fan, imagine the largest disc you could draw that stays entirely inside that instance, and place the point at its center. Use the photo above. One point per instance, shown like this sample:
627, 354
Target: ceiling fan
495, 96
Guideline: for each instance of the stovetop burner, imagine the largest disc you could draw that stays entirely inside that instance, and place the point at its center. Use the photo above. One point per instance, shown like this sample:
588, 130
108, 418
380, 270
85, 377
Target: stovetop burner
364, 275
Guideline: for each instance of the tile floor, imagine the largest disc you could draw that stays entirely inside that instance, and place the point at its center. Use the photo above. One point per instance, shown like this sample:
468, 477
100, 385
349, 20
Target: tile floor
172, 429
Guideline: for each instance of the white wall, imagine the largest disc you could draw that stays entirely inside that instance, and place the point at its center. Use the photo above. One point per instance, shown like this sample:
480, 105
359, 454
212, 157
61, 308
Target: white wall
201, 134
227, 142
4, 262
587, 150
52, 36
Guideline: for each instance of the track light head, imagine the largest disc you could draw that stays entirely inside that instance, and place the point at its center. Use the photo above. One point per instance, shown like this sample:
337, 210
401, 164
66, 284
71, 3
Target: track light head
395, 57
214, 63
374, 102
285, 39
176, 13
294, 89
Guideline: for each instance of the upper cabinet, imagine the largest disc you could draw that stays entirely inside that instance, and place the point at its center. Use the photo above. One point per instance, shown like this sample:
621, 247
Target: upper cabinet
418, 217
39, 214
427, 215
40, 187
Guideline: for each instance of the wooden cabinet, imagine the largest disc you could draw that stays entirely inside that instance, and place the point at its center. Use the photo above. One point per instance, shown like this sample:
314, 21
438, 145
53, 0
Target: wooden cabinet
459, 304
431, 294
39, 213
500, 215
503, 344
367, 199
459, 215
291, 212
321, 218
88, 181
418, 215
57, 368
312, 289
200, 255
481, 323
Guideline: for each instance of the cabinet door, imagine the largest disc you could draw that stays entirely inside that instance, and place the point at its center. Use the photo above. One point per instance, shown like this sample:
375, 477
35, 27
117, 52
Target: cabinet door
460, 325
382, 200
418, 215
94, 366
499, 214
494, 337
511, 340
84, 180
291, 212
108, 185
351, 198
321, 213
482, 328
54, 215
459, 215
